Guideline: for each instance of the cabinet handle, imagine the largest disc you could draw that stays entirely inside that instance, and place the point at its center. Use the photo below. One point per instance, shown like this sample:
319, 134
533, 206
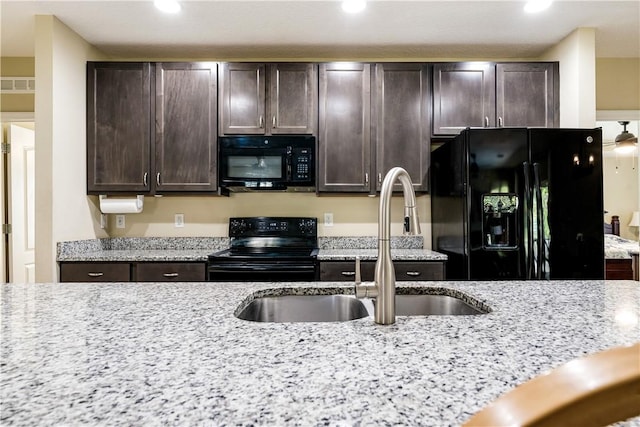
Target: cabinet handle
366, 177
170, 274
95, 274
486, 121
145, 179
261, 122
413, 273
348, 273
380, 178
500, 121
273, 122
158, 179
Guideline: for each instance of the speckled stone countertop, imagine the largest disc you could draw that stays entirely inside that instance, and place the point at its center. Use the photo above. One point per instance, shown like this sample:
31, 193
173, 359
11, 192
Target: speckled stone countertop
617, 247
174, 354
167, 249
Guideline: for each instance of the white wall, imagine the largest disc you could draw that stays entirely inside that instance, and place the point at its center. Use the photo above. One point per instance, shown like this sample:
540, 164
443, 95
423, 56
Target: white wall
63, 211
577, 56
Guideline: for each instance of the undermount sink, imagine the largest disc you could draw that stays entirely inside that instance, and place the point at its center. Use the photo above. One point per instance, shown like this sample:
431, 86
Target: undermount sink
340, 308
304, 308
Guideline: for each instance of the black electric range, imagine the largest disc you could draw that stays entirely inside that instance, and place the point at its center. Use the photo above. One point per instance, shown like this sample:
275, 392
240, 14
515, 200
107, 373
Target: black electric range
268, 249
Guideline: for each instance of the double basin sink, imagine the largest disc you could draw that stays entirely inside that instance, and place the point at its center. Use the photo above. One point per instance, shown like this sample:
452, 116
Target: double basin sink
339, 307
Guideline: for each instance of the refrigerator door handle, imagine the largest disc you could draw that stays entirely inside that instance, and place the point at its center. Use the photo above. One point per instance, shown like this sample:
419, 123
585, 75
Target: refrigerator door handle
539, 220
529, 221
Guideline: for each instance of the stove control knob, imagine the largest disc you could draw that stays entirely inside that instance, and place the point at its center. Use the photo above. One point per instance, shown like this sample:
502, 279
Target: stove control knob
306, 226
237, 227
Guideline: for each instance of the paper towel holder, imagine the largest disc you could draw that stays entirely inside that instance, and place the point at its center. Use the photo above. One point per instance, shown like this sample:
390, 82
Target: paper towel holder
121, 205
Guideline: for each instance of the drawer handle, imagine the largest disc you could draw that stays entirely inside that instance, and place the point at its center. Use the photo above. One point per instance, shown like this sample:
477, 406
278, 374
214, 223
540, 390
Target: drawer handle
170, 274
95, 274
413, 273
348, 273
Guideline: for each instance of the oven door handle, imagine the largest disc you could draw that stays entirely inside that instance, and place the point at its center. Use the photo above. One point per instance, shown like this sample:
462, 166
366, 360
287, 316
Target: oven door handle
222, 268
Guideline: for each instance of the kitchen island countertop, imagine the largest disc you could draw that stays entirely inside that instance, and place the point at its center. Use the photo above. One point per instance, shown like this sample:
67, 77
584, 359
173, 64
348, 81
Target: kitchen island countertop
174, 353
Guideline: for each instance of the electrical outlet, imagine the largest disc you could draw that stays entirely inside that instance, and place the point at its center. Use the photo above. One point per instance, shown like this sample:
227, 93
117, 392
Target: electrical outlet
328, 219
179, 220
120, 221
103, 221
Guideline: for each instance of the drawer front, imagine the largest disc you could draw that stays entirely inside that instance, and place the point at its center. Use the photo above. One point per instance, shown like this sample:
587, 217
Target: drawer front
339, 271
170, 272
619, 269
419, 270
95, 272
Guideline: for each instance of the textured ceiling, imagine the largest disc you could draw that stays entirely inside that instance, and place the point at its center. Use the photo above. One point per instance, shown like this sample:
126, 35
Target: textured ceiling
319, 29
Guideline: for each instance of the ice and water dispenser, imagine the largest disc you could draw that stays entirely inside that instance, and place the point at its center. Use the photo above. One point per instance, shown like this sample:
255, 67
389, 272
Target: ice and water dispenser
499, 223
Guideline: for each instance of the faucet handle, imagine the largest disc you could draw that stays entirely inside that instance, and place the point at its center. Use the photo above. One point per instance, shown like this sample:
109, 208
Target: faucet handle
358, 275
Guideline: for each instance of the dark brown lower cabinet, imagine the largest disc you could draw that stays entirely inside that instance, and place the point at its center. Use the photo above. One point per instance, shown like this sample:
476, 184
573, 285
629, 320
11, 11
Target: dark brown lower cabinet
133, 272
169, 272
619, 269
337, 271
95, 272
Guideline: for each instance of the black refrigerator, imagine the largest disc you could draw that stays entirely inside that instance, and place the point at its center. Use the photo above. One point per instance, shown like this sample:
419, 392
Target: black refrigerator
519, 204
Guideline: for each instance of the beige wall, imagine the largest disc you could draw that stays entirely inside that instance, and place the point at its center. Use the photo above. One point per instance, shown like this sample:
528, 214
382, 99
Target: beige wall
63, 211
618, 84
576, 54
17, 67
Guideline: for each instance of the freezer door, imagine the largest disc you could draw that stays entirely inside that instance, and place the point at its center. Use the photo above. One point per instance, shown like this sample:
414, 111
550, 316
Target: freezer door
496, 203
568, 203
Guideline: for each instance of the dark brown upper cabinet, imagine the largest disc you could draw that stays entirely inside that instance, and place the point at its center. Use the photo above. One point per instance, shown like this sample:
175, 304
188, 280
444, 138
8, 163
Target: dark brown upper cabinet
119, 112
463, 96
126, 154
186, 127
344, 129
268, 99
481, 94
402, 131
527, 94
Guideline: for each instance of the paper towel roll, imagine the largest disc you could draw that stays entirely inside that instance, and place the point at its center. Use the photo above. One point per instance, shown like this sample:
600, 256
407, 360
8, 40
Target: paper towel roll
121, 205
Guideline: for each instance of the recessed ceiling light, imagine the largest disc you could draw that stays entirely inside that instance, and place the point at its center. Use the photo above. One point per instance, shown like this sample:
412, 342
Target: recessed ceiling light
167, 6
533, 6
353, 6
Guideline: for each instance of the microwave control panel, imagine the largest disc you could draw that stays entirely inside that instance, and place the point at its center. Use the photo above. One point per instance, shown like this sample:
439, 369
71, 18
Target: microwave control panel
302, 164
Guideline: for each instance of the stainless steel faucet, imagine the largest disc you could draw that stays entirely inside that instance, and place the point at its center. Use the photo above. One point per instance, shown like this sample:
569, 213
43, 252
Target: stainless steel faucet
384, 287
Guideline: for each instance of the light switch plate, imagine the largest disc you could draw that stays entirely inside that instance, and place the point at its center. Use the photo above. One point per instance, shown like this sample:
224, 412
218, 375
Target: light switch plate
328, 219
179, 220
120, 221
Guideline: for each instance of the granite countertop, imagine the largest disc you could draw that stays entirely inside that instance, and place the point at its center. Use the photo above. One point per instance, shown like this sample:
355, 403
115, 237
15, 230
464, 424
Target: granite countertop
197, 249
618, 247
175, 354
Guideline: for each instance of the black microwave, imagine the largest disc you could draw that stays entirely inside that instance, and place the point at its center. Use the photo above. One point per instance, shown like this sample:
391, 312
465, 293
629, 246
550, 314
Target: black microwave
284, 163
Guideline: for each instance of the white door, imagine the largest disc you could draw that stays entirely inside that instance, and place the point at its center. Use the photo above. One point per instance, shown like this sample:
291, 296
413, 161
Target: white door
3, 249
22, 204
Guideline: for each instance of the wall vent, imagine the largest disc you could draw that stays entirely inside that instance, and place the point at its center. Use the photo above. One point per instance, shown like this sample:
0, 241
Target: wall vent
18, 84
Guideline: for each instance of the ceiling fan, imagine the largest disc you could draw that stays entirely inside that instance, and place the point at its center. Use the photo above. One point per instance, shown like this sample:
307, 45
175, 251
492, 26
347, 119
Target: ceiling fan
625, 143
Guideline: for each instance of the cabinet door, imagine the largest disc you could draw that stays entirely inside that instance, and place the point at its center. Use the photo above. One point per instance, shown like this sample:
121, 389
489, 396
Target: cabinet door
95, 272
170, 272
463, 96
242, 100
186, 127
118, 127
527, 94
344, 145
293, 98
402, 131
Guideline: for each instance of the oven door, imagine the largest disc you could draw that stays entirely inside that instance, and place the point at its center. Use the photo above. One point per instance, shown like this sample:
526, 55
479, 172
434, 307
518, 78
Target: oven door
263, 271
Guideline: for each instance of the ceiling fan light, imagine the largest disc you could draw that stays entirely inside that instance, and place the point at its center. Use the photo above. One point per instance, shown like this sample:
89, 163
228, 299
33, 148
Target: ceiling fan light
626, 142
534, 6
353, 6
167, 6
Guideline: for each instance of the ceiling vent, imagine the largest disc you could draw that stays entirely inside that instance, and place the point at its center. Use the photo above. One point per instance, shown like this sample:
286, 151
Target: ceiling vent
18, 84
